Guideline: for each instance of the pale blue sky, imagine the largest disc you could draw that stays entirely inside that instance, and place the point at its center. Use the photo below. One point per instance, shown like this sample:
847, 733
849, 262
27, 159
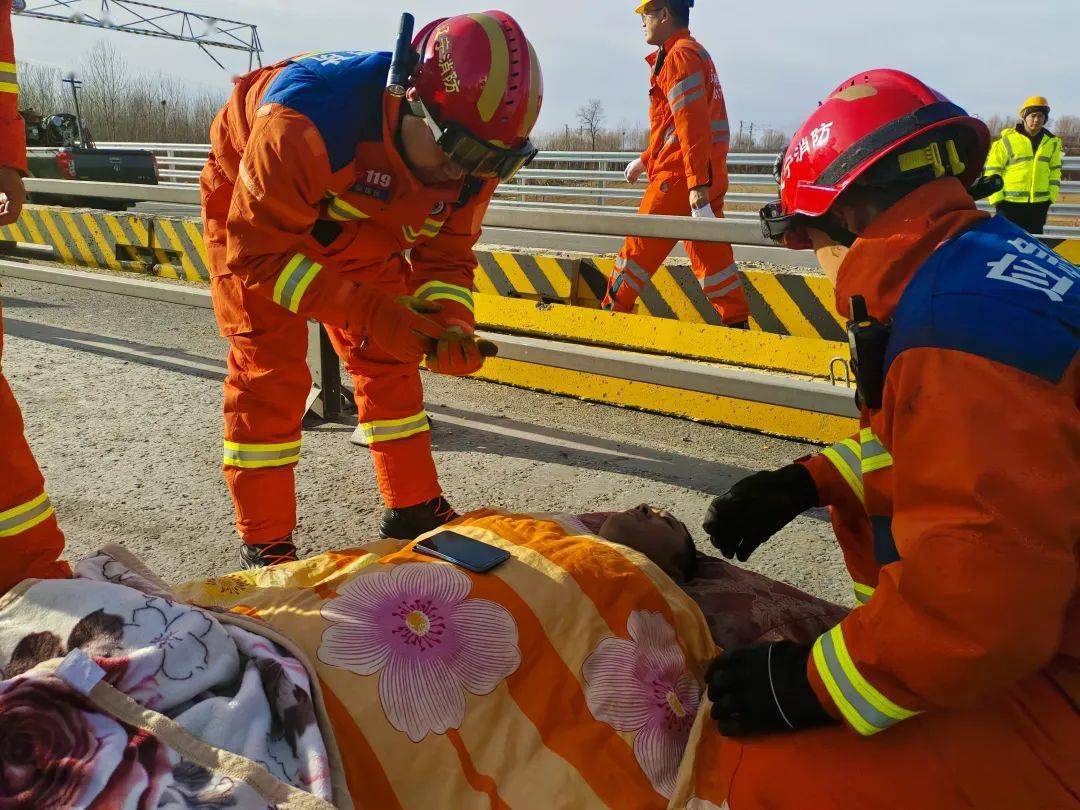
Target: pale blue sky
775, 59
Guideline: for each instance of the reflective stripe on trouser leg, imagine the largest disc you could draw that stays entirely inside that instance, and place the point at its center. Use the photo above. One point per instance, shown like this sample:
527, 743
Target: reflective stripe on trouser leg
25, 516
717, 273
387, 430
256, 456
265, 392
642, 257
390, 401
863, 706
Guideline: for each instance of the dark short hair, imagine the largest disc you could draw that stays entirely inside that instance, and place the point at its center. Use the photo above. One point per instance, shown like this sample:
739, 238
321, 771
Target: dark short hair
679, 10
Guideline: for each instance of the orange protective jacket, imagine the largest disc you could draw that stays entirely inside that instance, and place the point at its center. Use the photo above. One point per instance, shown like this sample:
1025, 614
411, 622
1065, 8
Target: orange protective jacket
12, 133
688, 124
310, 142
969, 472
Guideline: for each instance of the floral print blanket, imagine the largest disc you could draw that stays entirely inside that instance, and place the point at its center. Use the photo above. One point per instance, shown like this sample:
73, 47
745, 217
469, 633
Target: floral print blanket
570, 676
115, 695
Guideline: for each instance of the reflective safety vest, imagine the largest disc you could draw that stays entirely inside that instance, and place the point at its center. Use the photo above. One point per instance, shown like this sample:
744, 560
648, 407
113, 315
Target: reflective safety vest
1031, 176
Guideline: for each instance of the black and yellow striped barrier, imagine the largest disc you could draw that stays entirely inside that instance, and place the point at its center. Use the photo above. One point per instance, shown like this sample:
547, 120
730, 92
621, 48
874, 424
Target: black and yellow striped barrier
179, 251
795, 304
781, 303
84, 237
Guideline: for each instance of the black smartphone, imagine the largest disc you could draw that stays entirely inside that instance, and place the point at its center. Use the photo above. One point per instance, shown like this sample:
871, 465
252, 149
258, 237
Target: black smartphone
464, 551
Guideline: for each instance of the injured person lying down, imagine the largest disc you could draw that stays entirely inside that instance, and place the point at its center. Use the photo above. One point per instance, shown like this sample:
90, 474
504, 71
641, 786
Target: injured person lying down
568, 676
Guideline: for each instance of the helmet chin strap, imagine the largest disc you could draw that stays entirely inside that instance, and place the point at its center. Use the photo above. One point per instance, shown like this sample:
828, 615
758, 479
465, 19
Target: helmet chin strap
834, 229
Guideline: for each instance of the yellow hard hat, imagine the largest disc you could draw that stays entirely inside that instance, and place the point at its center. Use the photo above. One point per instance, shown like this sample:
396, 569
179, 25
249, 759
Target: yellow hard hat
641, 7
1035, 101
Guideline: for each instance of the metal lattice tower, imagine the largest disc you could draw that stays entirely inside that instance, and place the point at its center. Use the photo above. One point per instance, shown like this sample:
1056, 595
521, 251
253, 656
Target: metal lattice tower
131, 17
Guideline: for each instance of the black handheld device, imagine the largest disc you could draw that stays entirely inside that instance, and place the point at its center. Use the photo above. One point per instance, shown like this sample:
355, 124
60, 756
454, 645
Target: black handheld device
470, 554
404, 60
869, 341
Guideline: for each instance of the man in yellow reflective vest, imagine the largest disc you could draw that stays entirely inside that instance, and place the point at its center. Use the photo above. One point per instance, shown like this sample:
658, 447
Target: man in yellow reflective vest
1028, 157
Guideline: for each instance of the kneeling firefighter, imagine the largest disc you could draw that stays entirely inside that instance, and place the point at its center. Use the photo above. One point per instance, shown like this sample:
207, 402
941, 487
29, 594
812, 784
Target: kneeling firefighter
325, 169
956, 681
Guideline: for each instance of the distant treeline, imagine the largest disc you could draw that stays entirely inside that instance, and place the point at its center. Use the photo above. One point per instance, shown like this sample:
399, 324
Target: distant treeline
121, 104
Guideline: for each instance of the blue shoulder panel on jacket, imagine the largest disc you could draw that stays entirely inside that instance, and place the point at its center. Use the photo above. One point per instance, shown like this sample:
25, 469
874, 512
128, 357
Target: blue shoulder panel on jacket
996, 292
341, 93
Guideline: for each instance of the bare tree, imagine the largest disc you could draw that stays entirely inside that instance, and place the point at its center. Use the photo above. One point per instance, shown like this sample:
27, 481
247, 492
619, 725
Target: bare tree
591, 116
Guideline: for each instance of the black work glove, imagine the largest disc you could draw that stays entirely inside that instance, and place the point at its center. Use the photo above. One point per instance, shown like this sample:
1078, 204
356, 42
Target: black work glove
757, 507
764, 688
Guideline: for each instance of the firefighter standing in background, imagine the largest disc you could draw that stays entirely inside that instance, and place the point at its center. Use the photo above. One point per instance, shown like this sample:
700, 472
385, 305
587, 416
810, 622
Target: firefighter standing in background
1028, 158
956, 682
30, 539
685, 162
319, 181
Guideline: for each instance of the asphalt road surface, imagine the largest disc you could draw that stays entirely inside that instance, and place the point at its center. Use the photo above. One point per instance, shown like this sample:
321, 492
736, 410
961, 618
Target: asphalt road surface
122, 401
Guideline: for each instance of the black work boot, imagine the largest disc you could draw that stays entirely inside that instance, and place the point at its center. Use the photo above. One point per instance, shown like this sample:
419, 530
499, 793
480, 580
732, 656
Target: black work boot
261, 555
409, 522
738, 325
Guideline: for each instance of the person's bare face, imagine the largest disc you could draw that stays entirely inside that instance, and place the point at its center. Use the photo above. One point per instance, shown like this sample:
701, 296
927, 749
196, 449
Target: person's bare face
1034, 121
654, 21
431, 165
830, 254
653, 532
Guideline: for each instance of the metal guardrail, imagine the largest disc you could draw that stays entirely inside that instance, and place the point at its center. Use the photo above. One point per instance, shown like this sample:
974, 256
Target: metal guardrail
686, 375
585, 181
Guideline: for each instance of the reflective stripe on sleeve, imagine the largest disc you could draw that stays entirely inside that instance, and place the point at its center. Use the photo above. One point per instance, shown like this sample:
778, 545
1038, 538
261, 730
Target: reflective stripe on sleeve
682, 102
9, 82
444, 291
874, 455
863, 593
343, 212
721, 131
846, 456
25, 516
387, 430
686, 85
257, 456
293, 281
864, 707
430, 228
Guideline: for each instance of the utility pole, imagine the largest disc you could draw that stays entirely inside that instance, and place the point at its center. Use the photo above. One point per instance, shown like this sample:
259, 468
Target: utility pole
76, 85
751, 144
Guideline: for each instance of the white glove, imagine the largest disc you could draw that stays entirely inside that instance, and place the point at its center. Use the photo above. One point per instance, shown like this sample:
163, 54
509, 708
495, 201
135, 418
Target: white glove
703, 213
634, 169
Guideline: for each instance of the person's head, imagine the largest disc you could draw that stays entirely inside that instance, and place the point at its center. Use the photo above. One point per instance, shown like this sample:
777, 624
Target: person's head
661, 19
878, 137
656, 534
1034, 114
475, 97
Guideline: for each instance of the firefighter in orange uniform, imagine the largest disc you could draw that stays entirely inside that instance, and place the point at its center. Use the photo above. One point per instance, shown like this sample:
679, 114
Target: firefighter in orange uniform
686, 164
956, 682
30, 539
319, 181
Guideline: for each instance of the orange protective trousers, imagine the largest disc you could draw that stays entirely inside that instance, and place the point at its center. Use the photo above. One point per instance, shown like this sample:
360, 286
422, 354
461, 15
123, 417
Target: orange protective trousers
30, 539
713, 262
268, 383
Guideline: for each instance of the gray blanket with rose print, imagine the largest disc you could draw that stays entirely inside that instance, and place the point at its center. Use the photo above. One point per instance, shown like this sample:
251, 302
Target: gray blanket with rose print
116, 696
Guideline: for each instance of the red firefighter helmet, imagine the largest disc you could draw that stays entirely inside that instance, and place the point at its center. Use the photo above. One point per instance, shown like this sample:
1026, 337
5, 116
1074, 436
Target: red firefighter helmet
480, 86
859, 131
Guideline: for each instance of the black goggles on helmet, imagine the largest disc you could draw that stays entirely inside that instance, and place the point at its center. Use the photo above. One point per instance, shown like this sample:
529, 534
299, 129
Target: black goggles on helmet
790, 230
476, 157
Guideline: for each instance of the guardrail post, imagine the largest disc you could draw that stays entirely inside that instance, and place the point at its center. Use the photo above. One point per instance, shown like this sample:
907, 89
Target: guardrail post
329, 400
